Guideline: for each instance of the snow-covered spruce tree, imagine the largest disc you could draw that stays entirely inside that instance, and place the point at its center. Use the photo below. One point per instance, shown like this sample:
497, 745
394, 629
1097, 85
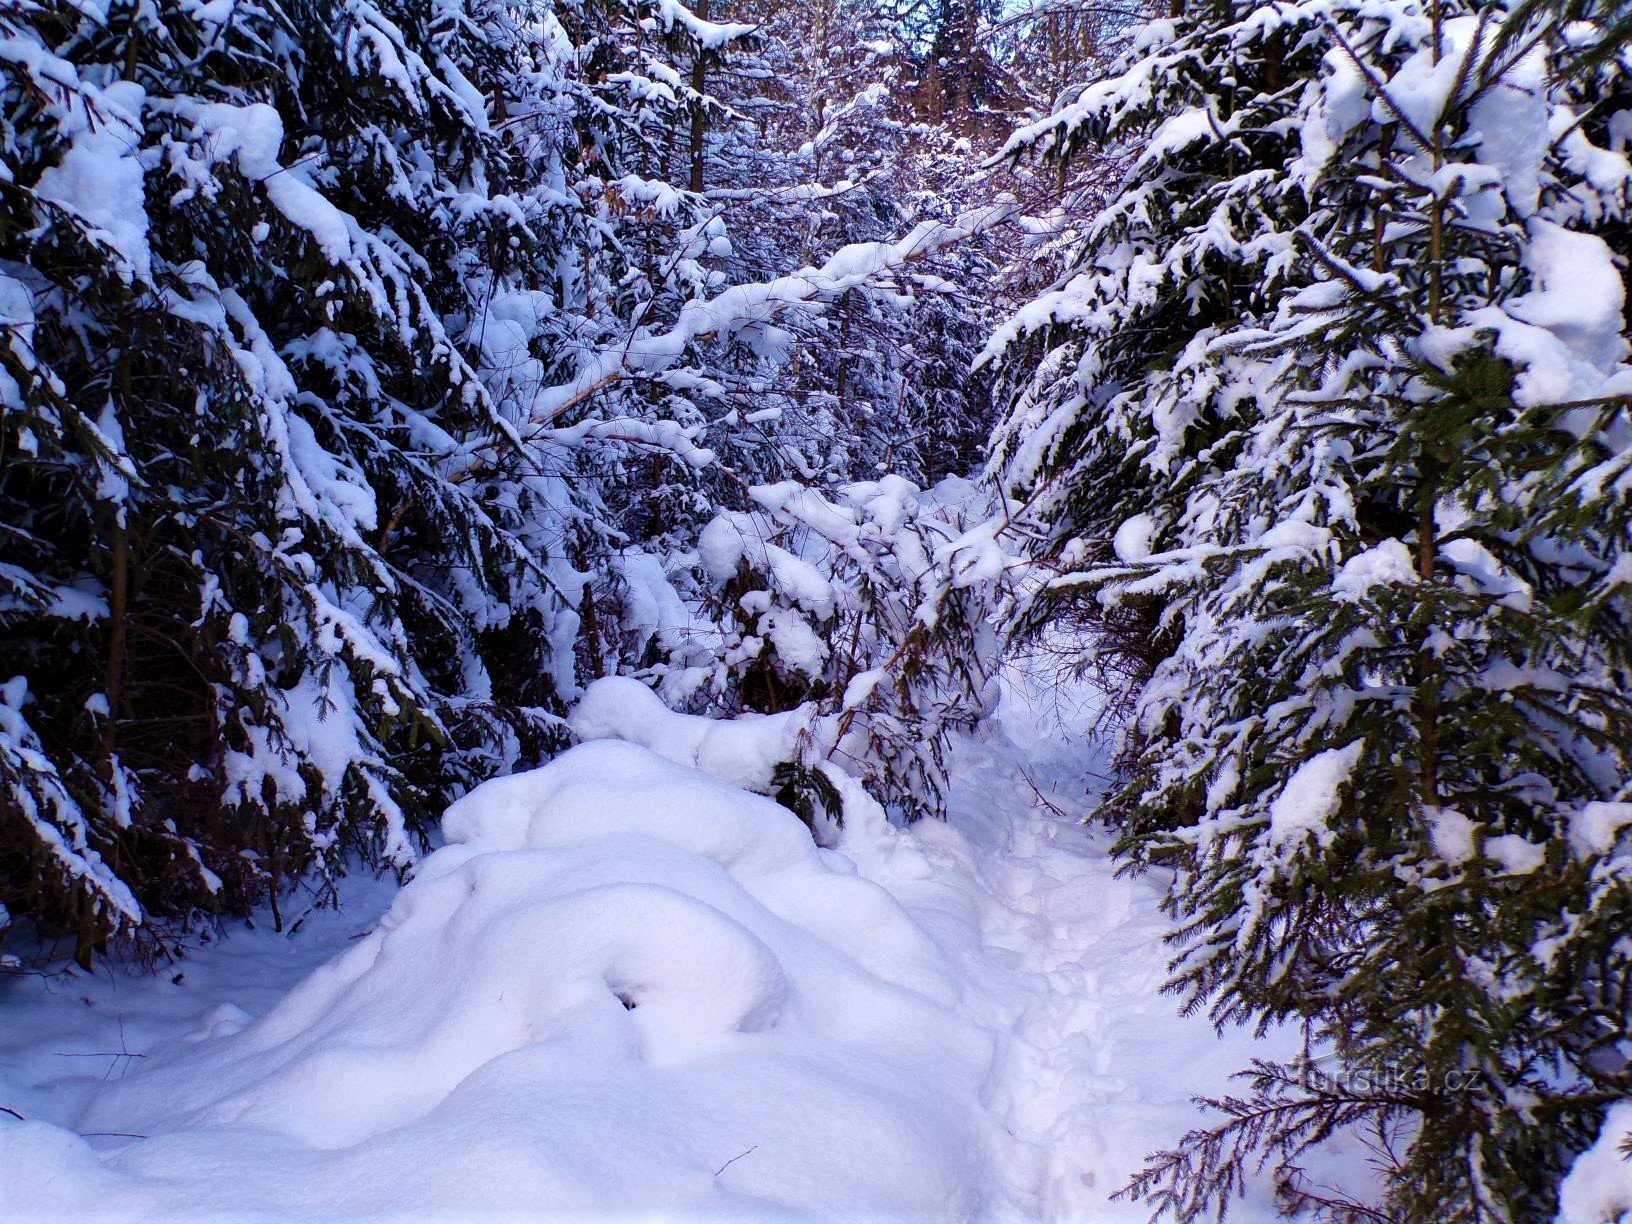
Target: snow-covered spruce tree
249, 256
841, 604
802, 154
1335, 404
814, 150
1172, 256
365, 376
855, 572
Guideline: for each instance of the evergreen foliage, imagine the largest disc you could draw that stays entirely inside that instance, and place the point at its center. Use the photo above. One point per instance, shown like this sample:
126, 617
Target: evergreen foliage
1334, 404
375, 373
249, 617
370, 371
844, 604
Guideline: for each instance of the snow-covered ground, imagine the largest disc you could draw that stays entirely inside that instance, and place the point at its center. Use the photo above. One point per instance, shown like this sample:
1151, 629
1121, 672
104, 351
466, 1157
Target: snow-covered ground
626, 989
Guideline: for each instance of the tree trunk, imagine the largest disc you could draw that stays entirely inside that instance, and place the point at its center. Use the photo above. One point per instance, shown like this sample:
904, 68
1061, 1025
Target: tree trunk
699, 117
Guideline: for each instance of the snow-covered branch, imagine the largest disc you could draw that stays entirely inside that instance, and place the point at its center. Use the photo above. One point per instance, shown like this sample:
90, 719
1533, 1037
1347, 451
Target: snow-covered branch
860, 265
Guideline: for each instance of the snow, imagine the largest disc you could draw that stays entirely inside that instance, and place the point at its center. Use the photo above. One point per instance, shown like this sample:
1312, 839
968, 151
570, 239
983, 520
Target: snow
1179, 131
1597, 826
1580, 296
1566, 332
1481, 568
624, 987
100, 178
1598, 1189
254, 134
742, 751
1419, 91
1310, 796
329, 480
709, 35
1510, 121
1340, 107
1131, 542
1452, 835
1514, 854
1387, 563
732, 537
652, 608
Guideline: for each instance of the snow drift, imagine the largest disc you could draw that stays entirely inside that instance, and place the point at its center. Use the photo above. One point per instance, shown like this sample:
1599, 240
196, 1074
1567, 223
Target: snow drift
622, 987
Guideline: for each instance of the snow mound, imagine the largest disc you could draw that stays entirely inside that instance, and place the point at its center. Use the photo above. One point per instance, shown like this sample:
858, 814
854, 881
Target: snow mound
623, 987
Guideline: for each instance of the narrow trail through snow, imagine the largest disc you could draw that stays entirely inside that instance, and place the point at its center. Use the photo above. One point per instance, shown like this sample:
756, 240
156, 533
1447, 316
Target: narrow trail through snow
1094, 1068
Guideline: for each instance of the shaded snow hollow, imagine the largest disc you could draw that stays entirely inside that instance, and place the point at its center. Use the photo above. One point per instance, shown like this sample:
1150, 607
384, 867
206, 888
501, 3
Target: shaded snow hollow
625, 989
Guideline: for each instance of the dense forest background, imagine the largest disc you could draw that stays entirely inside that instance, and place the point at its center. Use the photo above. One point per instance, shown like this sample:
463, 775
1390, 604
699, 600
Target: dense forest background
374, 371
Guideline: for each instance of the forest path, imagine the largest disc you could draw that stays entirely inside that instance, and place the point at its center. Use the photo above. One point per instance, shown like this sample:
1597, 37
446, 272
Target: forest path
1094, 1069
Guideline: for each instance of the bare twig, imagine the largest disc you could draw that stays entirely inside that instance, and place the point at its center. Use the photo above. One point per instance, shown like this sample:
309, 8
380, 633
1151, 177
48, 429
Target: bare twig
734, 1160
